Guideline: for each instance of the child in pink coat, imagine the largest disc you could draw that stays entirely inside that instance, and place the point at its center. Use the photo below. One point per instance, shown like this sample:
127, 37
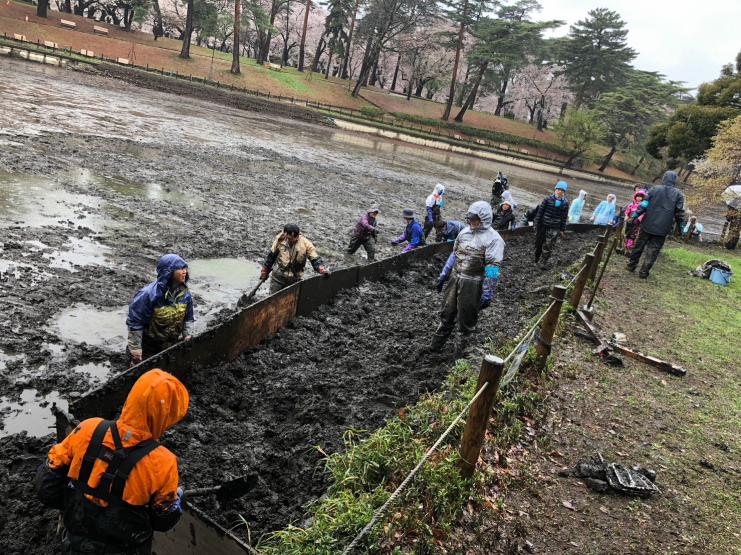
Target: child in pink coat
632, 230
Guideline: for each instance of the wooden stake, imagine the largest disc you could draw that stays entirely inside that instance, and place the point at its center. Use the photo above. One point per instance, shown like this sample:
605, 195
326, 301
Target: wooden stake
548, 326
491, 372
598, 252
581, 281
602, 273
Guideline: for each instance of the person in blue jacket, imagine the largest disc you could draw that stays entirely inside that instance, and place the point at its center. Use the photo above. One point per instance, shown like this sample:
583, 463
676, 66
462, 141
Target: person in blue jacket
161, 313
449, 229
413, 233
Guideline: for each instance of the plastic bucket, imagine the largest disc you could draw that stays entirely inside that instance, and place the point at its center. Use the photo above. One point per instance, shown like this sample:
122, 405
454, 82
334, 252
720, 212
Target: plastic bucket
720, 277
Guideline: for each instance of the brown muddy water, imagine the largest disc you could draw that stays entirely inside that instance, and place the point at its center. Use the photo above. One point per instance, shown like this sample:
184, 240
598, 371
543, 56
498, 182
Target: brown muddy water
99, 178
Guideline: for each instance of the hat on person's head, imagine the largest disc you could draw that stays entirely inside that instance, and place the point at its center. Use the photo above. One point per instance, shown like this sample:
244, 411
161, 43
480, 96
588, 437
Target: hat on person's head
291, 229
562, 185
373, 210
408, 214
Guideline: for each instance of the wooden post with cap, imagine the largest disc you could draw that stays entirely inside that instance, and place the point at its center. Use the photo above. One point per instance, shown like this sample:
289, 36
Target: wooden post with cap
548, 326
492, 368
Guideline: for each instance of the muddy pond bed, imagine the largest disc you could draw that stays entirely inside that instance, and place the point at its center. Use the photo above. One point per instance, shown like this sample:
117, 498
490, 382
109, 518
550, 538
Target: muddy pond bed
352, 364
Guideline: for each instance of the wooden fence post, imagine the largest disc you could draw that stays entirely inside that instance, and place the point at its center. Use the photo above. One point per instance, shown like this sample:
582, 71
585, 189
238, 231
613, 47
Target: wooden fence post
548, 326
492, 368
602, 273
581, 281
598, 251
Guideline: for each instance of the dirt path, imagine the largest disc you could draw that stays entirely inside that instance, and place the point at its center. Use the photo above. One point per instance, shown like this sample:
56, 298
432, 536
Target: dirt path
684, 428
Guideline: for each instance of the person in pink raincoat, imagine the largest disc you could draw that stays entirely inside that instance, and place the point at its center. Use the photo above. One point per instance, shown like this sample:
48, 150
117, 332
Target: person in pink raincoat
632, 229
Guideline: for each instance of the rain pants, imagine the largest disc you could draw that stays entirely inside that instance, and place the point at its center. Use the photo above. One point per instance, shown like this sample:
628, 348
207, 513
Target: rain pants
364, 235
470, 275
109, 505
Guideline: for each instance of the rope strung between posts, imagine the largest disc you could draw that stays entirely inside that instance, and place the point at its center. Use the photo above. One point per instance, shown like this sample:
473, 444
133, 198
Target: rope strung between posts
516, 355
390, 501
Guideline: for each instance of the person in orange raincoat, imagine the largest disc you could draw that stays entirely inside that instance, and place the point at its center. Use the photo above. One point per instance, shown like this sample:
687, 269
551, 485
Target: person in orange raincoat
115, 483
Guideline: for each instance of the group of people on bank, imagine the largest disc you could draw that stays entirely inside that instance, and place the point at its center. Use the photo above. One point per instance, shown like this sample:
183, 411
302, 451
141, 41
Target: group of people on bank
117, 485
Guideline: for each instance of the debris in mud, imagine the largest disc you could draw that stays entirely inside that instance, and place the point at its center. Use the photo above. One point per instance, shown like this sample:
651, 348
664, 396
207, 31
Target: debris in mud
602, 476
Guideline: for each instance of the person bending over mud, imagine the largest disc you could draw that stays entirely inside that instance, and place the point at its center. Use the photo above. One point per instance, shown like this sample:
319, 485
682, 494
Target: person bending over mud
287, 259
161, 313
413, 235
115, 483
365, 234
449, 229
550, 223
469, 277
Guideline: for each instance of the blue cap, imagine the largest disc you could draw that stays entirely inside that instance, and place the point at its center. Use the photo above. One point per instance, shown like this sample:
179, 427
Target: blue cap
562, 185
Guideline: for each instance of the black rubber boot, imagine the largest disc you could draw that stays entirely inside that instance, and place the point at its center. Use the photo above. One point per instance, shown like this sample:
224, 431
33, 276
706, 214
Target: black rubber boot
437, 343
462, 343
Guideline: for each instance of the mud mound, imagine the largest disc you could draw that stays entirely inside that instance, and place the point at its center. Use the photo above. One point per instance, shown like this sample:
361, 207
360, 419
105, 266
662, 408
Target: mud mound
352, 364
25, 525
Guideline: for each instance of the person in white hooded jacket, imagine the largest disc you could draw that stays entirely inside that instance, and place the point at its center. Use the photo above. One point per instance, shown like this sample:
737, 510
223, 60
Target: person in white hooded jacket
433, 208
469, 277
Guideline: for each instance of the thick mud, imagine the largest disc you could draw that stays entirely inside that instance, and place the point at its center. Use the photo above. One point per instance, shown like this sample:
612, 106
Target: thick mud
352, 364
99, 178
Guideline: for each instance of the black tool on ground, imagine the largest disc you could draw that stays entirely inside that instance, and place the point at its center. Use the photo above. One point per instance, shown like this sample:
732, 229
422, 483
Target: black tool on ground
247, 297
602, 476
231, 489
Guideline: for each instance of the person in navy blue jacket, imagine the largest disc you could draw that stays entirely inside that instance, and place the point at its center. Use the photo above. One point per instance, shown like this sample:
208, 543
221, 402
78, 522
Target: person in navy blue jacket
413, 233
550, 223
161, 313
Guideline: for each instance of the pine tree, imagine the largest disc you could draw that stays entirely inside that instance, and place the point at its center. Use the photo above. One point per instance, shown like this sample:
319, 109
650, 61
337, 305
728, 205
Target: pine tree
596, 56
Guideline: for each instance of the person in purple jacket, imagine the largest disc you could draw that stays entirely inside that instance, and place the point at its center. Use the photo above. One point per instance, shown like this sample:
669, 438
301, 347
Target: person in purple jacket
365, 234
413, 234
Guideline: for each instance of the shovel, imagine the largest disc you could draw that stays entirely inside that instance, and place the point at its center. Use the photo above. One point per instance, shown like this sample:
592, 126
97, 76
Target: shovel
247, 297
231, 489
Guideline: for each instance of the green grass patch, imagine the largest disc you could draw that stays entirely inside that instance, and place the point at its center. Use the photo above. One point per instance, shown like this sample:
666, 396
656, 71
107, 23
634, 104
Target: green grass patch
373, 465
291, 79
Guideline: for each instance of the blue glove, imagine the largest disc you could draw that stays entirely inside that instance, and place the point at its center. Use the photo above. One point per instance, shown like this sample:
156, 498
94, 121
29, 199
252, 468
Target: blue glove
178, 504
484, 303
441, 203
492, 272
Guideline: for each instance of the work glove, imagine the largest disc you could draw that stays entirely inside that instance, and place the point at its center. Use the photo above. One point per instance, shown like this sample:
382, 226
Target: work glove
484, 303
136, 357
323, 270
441, 283
264, 272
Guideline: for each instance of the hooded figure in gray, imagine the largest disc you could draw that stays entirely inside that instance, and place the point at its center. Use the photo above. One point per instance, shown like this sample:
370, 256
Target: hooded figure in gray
469, 276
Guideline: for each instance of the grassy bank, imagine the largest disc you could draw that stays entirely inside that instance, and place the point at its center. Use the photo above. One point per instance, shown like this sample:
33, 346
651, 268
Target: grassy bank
684, 428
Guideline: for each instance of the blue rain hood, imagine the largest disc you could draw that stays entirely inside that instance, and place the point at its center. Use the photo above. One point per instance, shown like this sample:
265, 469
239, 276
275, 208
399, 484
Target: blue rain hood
152, 295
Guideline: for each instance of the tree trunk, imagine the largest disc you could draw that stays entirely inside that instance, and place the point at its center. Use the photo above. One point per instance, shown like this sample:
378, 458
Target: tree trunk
365, 67
419, 89
396, 72
606, 159
458, 48
303, 36
531, 112
67, 6
349, 42
41, 8
373, 75
329, 63
638, 165
472, 95
235, 47
158, 29
502, 94
185, 51
318, 54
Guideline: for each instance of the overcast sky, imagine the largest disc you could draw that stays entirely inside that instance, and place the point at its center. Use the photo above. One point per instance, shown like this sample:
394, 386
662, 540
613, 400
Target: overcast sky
685, 40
